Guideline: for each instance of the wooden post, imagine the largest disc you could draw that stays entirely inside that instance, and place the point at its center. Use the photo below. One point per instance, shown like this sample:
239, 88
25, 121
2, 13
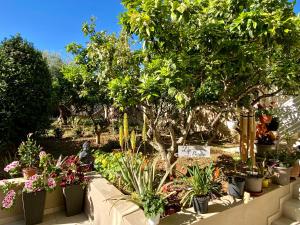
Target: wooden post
244, 137
252, 131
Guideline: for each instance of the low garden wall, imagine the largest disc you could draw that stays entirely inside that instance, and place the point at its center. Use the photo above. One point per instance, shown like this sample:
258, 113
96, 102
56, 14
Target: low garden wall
54, 203
103, 211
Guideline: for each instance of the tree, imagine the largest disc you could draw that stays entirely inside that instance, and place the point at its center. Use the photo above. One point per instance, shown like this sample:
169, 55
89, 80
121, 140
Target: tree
25, 90
208, 54
63, 93
104, 58
198, 55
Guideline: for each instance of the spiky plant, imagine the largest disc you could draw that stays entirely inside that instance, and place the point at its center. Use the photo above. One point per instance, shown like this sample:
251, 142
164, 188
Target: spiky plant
121, 137
144, 131
200, 182
126, 130
133, 140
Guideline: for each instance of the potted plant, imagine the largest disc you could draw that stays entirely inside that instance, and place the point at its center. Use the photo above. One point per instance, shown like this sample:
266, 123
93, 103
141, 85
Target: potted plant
236, 183
154, 206
282, 168
201, 186
145, 184
254, 178
33, 194
28, 152
73, 183
264, 113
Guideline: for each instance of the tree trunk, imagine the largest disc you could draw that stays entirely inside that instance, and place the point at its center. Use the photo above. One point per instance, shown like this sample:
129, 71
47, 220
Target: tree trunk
98, 138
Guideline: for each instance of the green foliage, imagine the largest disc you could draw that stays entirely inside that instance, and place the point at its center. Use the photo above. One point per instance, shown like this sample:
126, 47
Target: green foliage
28, 152
108, 165
63, 93
153, 205
201, 183
142, 176
25, 90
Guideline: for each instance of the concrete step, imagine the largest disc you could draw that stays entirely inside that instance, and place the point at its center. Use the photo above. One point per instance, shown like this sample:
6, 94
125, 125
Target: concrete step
291, 209
296, 191
285, 221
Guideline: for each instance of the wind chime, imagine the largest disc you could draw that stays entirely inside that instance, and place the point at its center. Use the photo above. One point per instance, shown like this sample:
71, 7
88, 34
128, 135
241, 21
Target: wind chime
247, 137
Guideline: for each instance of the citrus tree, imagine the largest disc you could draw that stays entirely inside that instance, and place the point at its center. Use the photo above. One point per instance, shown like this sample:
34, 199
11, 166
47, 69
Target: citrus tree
202, 54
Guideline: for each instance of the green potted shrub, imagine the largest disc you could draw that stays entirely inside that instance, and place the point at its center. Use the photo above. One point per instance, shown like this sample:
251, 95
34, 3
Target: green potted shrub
154, 206
28, 152
73, 183
201, 186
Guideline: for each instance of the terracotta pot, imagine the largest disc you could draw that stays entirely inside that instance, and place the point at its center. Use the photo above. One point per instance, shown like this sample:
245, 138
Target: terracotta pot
265, 118
29, 172
33, 207
295, 171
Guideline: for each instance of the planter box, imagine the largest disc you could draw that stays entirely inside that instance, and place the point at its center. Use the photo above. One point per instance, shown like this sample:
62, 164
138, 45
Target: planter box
73, 196
100, 207
54, 203
33, 206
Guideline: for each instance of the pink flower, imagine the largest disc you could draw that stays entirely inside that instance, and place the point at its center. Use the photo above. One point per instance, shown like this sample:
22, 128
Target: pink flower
51, 183
9, 199
12, 166
42, 154
28, 185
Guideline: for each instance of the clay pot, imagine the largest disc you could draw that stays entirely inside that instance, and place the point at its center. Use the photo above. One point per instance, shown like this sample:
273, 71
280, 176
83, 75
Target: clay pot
29, 172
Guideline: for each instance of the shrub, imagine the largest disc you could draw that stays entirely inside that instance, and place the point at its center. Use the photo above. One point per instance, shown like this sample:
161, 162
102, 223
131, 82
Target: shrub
25, 90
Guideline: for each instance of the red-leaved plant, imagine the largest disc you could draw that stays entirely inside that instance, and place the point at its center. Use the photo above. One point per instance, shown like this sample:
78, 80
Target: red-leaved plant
72, 172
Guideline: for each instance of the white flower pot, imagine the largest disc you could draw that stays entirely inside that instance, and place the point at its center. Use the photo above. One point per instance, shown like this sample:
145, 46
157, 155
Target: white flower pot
154, 220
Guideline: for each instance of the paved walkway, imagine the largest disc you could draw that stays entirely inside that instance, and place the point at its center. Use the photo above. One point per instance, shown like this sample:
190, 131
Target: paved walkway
59, 219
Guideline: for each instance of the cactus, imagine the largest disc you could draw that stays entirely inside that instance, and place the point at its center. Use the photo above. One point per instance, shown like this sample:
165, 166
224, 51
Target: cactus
121, 137
133, 140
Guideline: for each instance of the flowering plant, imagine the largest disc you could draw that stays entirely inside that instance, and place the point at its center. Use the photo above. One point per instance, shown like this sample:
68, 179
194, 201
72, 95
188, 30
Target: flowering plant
9, 193
49, 166
72, 172
13, 168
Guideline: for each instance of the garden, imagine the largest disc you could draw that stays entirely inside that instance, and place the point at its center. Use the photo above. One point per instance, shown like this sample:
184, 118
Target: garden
204, 110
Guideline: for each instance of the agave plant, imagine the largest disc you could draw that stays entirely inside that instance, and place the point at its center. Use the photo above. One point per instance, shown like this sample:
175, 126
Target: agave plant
200, 183
140, 176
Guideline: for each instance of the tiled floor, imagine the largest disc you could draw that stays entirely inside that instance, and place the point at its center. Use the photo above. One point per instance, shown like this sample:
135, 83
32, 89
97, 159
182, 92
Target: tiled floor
61, 219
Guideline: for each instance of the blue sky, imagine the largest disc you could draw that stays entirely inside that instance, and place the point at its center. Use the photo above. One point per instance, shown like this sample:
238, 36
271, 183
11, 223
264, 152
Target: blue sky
52, 24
